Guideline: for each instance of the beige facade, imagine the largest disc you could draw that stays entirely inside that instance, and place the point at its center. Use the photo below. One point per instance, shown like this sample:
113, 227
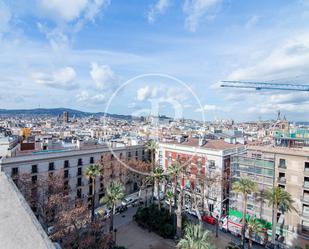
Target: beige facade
291, 172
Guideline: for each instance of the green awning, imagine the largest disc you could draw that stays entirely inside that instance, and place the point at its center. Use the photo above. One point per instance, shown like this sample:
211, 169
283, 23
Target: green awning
238, 214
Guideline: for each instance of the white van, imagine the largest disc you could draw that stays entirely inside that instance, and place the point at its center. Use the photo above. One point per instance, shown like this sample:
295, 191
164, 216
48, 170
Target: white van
131, 199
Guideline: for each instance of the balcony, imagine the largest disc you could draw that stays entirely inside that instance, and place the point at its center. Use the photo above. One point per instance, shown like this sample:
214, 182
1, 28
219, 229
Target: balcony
306, 172
282, 166
305, 214
306, 184
305, 199
281, 180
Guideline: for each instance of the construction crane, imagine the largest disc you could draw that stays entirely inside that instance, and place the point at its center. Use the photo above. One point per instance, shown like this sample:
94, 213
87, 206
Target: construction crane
264, 85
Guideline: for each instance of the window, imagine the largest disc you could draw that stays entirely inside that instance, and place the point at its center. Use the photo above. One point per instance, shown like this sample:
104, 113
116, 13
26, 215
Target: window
66, 164
129, 154
51, 166
120, 155
14, 171
143, 152
79, 181
211, 207
34, 169
79, 193
66, 185
91, 160
34, 179
80, 162
282, 163
306, 166
66, 174
79, 171
90, 190
212, 164
136, 153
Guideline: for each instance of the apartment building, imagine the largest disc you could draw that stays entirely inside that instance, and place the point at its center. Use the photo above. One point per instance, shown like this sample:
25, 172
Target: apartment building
72, 163
276, 166
208, 158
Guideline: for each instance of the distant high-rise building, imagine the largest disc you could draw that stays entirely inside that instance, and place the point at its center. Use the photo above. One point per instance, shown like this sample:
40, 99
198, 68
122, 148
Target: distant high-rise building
65, 117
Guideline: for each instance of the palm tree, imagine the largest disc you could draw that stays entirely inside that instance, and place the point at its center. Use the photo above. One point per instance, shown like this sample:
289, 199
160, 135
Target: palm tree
253, 227
92, 172
158, 175
179, 206
174, 172
114, 194
244, 186
150, 181
170, 199
195, 237
278, 198
151, 146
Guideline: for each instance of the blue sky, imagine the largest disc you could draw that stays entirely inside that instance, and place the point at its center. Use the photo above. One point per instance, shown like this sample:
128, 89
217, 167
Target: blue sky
77, 53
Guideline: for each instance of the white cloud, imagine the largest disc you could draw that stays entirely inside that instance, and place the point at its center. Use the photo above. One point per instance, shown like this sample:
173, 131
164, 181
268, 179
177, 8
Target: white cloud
57, 38
209, 108
159, 8
5, 17
289, 59
68, 10
61, 78
69, 17
72, 10
143, 93
195, 10
88, 98
103, 76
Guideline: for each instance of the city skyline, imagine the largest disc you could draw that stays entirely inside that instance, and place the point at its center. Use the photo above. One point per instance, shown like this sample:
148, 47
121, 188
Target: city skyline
77, 54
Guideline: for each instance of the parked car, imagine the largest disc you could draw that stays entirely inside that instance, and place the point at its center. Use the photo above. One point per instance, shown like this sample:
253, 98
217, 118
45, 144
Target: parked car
130, 201
102, 211
209, 219
191, 211
121, 209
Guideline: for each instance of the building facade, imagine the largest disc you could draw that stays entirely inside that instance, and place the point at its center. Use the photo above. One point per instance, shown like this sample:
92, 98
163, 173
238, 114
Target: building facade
206, 176
269, 167
73, 163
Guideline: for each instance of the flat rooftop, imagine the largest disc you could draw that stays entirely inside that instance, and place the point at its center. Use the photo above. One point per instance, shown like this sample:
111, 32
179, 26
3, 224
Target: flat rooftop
19, 228
280, 150
217, 144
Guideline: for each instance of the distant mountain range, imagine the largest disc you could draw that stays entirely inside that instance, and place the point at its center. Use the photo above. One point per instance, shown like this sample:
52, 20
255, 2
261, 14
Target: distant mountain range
57, 112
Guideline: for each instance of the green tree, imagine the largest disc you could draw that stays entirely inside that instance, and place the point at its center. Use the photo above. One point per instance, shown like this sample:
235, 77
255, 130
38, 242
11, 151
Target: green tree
114, 194
170, 199
278, 198
92, 172
174, 172
253, 227
151, 146
195, 237
158, 175
244, 186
